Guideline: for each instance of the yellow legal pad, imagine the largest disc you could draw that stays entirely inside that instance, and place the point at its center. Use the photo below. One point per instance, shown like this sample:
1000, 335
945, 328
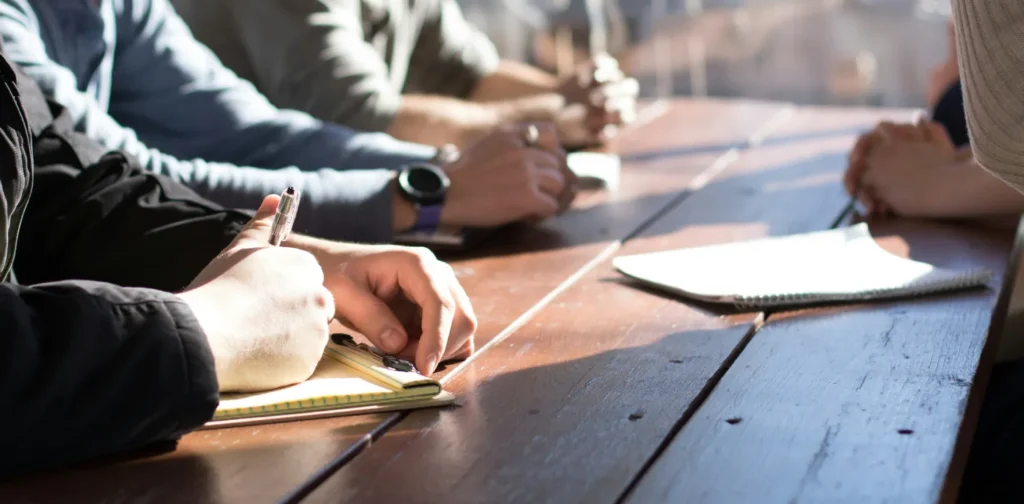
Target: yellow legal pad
349, 379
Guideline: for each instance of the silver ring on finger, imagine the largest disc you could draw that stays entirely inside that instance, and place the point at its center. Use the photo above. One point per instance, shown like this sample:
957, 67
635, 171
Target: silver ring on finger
531, 135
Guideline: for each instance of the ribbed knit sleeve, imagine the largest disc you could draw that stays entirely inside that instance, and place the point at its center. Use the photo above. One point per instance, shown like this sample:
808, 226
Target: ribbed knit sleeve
990, 47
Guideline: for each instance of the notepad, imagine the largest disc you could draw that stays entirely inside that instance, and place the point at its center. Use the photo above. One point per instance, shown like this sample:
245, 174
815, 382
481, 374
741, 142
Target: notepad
840, 265
349, 379
596, 169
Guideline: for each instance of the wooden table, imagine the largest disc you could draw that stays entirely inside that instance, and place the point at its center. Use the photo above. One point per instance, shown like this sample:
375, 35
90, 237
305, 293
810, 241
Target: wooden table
589, 389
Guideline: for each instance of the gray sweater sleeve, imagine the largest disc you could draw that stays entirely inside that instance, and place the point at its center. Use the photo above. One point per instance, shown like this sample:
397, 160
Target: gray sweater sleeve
990, 49
312, 55
173, 96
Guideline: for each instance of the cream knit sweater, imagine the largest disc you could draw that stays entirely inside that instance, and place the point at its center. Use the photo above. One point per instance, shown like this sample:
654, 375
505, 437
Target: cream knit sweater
990, 47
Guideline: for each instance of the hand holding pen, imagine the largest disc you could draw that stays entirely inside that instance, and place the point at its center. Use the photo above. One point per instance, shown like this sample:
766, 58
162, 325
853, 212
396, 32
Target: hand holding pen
264, 309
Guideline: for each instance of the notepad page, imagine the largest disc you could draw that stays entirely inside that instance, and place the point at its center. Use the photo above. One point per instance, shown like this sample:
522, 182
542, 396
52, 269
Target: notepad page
836, 265
333, 384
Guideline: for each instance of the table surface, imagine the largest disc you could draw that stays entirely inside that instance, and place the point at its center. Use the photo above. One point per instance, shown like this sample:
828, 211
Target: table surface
588, 388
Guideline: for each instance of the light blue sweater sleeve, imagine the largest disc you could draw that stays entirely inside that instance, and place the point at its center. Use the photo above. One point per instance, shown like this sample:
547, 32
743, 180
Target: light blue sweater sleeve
184, 115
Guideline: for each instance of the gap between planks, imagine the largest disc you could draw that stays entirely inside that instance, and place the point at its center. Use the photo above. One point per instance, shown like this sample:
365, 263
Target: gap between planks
650, 113
709, 387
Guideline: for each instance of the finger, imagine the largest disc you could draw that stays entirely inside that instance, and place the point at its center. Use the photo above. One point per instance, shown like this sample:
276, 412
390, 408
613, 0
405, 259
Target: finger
568, 194
549, 180
890, 132
369, 315
548, 139
465, 323
884, 131
870, 201
438, 315
257, 230
608, 133
856, 165
627, 89
541, 205
938, 134
464, 351
617, 112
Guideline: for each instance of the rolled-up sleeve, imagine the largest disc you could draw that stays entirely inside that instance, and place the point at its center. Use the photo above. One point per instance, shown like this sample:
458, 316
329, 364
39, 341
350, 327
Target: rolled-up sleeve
451, 55
311, 55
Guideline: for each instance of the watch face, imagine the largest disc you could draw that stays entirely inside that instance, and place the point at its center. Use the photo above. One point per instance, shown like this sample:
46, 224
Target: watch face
424, 184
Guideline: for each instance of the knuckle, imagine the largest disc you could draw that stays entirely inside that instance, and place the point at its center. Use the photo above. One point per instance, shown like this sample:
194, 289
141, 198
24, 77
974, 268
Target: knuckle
323, 300
446, 269
421, 256
446, 301
472, 324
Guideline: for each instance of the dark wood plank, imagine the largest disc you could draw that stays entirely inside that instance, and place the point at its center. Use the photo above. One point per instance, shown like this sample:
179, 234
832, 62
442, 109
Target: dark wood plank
571, 407
512, 274
505, 279
844, 404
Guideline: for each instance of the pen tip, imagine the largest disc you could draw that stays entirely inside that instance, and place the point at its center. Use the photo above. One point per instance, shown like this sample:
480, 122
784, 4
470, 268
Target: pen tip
290, 190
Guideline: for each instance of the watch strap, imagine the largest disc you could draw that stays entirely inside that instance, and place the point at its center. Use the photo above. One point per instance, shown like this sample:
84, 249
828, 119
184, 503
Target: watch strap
428, 217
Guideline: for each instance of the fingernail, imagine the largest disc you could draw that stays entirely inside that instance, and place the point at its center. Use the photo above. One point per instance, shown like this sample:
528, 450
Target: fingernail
392, 339
431, 364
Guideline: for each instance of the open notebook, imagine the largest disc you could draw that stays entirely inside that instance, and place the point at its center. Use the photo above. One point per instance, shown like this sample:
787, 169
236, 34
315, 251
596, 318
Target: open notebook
830, 266
349, 379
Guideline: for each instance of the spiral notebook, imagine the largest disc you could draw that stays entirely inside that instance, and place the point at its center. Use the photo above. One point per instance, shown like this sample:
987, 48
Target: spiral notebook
839, 265
350, 379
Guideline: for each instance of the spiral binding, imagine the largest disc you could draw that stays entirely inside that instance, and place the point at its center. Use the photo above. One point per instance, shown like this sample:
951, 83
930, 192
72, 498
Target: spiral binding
920, 287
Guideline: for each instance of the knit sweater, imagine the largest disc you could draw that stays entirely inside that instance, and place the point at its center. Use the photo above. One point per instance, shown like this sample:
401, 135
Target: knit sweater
990, 48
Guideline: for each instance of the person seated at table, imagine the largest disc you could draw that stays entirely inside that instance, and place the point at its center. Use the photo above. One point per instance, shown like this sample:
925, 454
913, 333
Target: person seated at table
988, 40
928, 169
137, 301
417, 70
133, 78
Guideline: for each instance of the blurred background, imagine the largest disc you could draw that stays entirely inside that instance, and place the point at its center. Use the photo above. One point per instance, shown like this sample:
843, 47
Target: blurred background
835, 52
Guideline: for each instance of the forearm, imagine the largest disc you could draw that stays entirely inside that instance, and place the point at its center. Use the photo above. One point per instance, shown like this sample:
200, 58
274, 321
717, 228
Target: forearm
514, 80
437, 120
968, 191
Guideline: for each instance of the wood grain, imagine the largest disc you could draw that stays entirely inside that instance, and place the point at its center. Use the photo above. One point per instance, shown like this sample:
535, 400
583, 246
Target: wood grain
571, 407
505, 279
844, 404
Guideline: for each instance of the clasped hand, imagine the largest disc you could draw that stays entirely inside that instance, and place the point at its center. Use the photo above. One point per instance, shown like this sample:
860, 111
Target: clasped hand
898, 168
599, 99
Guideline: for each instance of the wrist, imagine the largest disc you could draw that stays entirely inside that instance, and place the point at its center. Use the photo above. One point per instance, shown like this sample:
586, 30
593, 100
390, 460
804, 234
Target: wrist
403, 211
200, 302
538, 108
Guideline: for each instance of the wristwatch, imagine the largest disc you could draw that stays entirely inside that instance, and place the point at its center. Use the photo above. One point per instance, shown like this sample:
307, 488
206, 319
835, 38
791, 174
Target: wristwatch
425, 186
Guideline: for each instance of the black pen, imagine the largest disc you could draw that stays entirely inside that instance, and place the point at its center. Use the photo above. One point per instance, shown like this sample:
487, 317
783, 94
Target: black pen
285, 216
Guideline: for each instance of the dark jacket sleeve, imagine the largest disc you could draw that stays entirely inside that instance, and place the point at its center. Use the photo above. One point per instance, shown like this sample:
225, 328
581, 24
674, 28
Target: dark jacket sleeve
98, 215
88, 369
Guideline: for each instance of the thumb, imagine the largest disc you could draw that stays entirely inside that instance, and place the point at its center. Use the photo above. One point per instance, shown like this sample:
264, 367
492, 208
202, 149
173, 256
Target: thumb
368, 314
258, 229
